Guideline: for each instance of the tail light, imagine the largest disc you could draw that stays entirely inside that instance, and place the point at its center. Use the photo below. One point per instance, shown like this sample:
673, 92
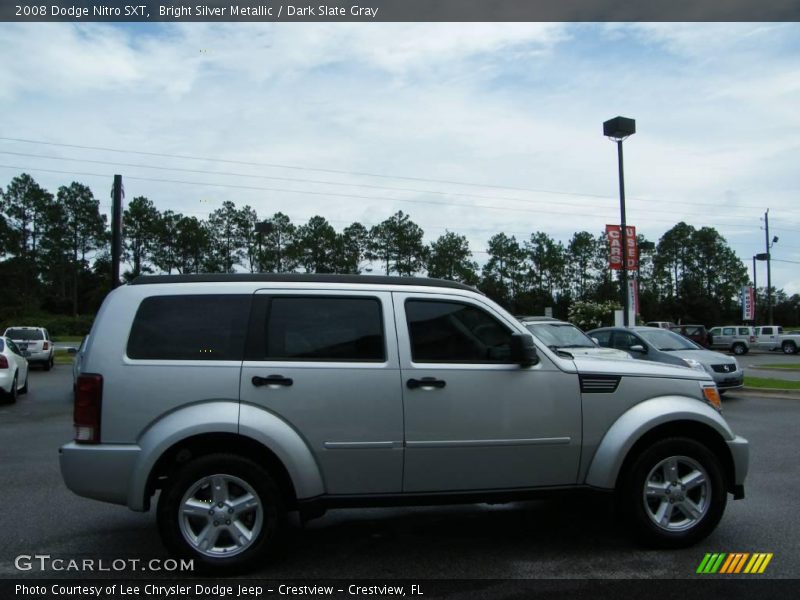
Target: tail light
46, 346
88, 405
3, 362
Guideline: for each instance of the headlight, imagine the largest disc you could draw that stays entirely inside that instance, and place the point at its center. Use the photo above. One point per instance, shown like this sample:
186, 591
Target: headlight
694, 364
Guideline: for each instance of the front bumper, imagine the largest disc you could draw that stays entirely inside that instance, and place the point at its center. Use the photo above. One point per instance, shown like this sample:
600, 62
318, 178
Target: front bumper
729, 381
740, 453
99, 471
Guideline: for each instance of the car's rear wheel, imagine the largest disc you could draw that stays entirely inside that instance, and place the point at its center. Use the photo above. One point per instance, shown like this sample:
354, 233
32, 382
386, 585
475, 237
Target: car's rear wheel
739, 349
49, 364
224, 511
673, 495
789, 348
11, 396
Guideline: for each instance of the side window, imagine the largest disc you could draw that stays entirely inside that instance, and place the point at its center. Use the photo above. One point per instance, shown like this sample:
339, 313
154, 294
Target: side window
766, 330
716, 331
744, 331
190, 327
13, 347
624, 340
453, 332
603, 338
320, 328
729, 331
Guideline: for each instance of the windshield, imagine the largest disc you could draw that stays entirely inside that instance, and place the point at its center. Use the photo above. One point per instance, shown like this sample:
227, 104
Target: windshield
667, 340
25, 334
560, 335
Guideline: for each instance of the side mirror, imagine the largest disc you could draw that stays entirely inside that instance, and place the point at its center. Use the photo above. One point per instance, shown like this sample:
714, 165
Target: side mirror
638, 348
523, 350
72, 350
596, 341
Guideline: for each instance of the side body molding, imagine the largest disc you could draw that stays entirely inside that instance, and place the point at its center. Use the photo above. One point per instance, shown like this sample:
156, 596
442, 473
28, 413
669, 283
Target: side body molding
637, 421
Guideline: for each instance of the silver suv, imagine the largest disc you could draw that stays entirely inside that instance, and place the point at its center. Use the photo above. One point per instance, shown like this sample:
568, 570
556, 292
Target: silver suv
244, 397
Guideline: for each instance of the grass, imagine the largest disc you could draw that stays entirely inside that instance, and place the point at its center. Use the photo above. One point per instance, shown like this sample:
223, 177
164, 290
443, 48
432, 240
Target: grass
785, 366
778, 384
67, 338
62, 357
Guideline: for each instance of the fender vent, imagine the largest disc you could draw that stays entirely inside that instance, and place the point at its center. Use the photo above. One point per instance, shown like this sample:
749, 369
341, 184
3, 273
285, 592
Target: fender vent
599, 384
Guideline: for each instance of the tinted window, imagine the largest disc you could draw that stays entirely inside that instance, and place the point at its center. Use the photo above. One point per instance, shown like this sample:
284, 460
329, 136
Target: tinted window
323, 328
744, 331
667, 341
25, 334
728, 331
2, 346
603, 338
455, 332
624, 340
203, 327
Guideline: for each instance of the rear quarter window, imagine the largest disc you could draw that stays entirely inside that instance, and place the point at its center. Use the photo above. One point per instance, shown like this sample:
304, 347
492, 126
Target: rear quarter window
190, 327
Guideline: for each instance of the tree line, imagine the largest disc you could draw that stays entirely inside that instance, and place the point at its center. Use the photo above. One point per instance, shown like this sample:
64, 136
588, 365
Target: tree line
55, 257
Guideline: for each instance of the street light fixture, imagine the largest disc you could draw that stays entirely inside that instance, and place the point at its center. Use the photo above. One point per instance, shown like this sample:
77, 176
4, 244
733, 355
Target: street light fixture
619, 129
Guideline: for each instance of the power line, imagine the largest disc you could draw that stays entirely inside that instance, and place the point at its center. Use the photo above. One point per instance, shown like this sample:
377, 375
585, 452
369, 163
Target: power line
344, 172
605, 218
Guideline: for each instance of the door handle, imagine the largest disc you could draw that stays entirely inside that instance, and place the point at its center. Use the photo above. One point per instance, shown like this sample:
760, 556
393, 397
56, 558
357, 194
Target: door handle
272, 380
425, 382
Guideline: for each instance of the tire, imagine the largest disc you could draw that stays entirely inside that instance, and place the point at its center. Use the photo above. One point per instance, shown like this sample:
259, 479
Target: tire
739, 349
49, 364
187, 514
670, 516
11, 397
24, 388
789, 348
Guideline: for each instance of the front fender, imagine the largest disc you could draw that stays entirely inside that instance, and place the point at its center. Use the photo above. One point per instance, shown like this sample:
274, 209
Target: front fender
637, 421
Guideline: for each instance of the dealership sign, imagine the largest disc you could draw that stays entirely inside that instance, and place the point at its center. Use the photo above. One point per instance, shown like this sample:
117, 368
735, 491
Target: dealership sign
615, 242
748, 303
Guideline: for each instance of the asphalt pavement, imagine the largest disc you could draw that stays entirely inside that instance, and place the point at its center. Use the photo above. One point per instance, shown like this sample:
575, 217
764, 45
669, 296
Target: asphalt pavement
576, 538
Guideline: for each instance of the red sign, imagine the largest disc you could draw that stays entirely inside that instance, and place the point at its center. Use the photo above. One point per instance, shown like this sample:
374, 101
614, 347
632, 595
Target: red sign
615, 247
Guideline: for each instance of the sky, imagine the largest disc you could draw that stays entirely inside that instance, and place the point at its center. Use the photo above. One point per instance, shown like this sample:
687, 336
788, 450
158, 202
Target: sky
471, 128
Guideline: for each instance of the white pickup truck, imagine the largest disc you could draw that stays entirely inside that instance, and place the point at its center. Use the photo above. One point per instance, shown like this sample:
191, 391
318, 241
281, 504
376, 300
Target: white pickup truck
772, 337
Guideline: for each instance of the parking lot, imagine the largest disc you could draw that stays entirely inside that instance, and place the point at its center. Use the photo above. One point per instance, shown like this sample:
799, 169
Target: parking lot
577, 538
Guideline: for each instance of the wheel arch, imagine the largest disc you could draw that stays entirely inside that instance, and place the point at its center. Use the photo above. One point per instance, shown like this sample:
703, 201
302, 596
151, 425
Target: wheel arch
656, 419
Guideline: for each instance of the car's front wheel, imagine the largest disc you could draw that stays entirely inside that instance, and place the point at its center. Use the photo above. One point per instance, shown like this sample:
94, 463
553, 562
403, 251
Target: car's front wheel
739, 349
674, 493
224, 511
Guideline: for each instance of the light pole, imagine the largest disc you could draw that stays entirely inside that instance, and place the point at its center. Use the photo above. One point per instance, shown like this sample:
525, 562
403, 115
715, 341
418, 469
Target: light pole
768, 245
619, 129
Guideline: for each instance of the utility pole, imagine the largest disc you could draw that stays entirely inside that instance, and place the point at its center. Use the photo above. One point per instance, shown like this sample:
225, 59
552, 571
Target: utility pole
769, 270
116, 230
755, 292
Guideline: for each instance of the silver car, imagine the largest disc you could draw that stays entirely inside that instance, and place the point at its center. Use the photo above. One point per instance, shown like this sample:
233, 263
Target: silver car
660, 345
245, 397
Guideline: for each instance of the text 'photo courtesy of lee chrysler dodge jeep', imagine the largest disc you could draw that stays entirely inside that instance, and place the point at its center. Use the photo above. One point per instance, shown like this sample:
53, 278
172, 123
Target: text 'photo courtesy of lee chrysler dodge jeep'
245, 397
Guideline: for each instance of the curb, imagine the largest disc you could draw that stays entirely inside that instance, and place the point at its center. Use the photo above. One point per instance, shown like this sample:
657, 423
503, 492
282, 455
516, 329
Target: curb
769, 392
766, 368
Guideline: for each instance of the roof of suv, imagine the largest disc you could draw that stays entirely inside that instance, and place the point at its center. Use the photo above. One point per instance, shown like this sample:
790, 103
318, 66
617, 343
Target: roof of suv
301, 278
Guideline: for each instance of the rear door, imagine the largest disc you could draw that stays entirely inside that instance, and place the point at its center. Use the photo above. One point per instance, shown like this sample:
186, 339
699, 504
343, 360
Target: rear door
326, 363
767, 337
475, 420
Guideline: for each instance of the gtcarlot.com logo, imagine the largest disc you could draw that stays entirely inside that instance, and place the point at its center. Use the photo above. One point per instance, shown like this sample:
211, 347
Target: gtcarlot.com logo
734, 563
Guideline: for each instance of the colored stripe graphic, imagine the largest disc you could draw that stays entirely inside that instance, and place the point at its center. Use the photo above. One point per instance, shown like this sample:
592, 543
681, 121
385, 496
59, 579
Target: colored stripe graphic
733, 563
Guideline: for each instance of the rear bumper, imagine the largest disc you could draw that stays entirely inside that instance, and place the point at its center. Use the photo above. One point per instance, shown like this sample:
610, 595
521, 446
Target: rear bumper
101, 472
42, 356
6, 379
740, 453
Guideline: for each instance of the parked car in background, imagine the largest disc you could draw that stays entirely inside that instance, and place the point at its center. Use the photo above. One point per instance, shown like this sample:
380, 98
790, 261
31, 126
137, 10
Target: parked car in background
13, 370
772, 337
737, 339
660, 345
697, 333
561, 336
244, 397
34, 340
661, 324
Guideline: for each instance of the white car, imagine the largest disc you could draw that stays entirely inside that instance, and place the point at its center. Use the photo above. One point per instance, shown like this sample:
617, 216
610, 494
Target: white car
35, 343
13, 371
561, 336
